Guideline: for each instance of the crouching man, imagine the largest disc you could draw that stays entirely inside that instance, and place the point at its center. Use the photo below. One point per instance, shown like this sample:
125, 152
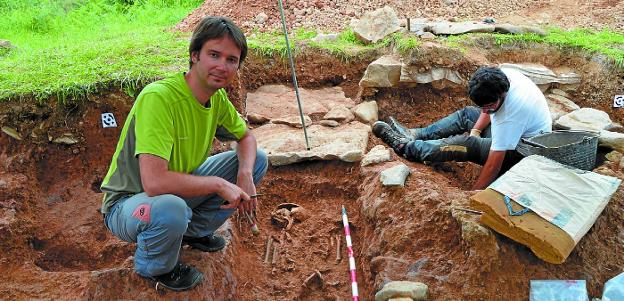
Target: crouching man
509, 106
163, 189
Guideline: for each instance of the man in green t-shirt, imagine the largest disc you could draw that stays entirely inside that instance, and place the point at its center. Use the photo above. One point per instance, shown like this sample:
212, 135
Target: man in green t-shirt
162, 188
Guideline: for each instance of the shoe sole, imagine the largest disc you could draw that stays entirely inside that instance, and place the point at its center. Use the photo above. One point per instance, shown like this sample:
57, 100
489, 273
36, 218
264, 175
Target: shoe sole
198, 279
203, 247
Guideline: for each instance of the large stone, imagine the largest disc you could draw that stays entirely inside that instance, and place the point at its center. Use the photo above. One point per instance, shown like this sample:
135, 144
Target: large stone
340, 114
286, 145
383, 72
377, 154
418, 25
455, 28
560, 105
376, 25
584, 119
395, 289
395, 176
612, 140
274, 101
367, 112
519, 29
293, 120
411, 74
541, 75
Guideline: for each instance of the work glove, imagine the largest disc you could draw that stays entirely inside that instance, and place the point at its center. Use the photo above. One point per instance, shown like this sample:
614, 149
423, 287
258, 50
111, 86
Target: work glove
475, 133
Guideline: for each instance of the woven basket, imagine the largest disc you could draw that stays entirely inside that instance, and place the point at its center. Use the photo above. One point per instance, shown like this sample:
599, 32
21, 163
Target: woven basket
574, 148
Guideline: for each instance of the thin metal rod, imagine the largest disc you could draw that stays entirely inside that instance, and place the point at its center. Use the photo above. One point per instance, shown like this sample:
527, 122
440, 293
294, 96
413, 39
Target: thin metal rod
294, 75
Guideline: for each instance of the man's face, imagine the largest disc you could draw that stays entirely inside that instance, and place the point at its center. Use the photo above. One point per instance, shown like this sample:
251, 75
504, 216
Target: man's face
495, 106
216, 63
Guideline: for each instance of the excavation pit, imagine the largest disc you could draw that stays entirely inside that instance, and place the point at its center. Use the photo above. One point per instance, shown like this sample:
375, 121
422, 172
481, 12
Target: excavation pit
416, 233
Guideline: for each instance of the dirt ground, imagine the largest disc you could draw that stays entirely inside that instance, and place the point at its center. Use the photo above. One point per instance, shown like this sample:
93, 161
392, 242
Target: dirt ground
54, 245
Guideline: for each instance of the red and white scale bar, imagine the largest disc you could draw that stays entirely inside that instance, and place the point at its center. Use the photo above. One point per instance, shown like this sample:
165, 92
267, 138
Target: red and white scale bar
354, 287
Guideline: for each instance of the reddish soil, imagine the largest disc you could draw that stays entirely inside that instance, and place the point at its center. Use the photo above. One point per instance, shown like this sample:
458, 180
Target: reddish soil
54, 244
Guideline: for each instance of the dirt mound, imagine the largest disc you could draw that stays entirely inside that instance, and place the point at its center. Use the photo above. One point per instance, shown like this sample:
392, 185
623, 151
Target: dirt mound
331, 15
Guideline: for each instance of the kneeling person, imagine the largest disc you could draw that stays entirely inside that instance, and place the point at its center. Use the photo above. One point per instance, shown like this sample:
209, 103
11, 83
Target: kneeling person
162, 188
509, 107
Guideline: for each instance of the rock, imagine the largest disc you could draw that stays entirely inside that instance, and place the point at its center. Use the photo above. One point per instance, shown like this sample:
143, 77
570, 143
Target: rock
613, 140
66, 138
455, 28
340, 114
560, 93
584, 119
329, 123
5, 47
3, 184
257, 119
418, 24
383, 72
375, 26
11, 132
286, 145
321, 37
427, 36
377, 154
559, 106
395, 176
367, 112
541, 75
261, 18
415, 290
515, 29
369, 207
293, 120
613, 156
274, 101
412, 74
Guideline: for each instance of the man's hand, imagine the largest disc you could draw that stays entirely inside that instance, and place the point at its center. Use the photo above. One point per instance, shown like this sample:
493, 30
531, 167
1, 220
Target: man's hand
475, 133
233, 194
490, 170
246, 183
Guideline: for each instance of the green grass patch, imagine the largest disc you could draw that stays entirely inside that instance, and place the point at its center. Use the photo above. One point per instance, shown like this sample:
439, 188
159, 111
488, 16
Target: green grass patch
604, 42
70, 48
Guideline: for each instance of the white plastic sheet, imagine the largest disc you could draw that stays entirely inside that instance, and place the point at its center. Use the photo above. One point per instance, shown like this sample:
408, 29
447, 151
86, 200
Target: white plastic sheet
569, 198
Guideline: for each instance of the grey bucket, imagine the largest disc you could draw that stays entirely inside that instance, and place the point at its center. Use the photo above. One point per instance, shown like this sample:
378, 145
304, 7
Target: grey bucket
570, 147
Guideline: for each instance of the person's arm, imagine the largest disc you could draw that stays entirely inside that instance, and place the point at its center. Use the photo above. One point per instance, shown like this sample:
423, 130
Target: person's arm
157, 179
490, 170
246, 152
482, 122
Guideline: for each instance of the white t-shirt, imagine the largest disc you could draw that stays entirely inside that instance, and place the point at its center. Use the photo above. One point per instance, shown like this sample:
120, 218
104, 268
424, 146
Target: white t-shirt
524, 113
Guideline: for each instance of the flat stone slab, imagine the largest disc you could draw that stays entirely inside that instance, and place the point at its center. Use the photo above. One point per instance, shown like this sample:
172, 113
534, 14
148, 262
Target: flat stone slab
395, 176
395, 289
286, 145
541, 75
275, 101
454, 28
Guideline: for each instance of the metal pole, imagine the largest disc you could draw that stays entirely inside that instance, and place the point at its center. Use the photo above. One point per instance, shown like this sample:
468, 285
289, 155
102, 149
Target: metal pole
294, 75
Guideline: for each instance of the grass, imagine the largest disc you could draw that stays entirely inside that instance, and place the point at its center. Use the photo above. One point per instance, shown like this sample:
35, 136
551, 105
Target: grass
605, 42
71, 48
68, 49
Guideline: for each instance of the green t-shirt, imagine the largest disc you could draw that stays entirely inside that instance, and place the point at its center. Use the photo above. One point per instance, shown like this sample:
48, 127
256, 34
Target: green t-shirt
167, 121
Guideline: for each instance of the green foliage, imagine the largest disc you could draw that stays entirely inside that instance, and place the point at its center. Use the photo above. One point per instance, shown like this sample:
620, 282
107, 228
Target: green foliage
71, 48
604, 42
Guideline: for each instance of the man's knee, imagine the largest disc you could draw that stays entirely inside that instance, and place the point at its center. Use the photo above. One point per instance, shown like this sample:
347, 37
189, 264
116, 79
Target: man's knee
172, 213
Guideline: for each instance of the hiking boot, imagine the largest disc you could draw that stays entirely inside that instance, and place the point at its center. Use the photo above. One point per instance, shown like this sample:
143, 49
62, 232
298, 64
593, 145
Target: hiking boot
210, 243
401, 129
389, 136
181, 278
